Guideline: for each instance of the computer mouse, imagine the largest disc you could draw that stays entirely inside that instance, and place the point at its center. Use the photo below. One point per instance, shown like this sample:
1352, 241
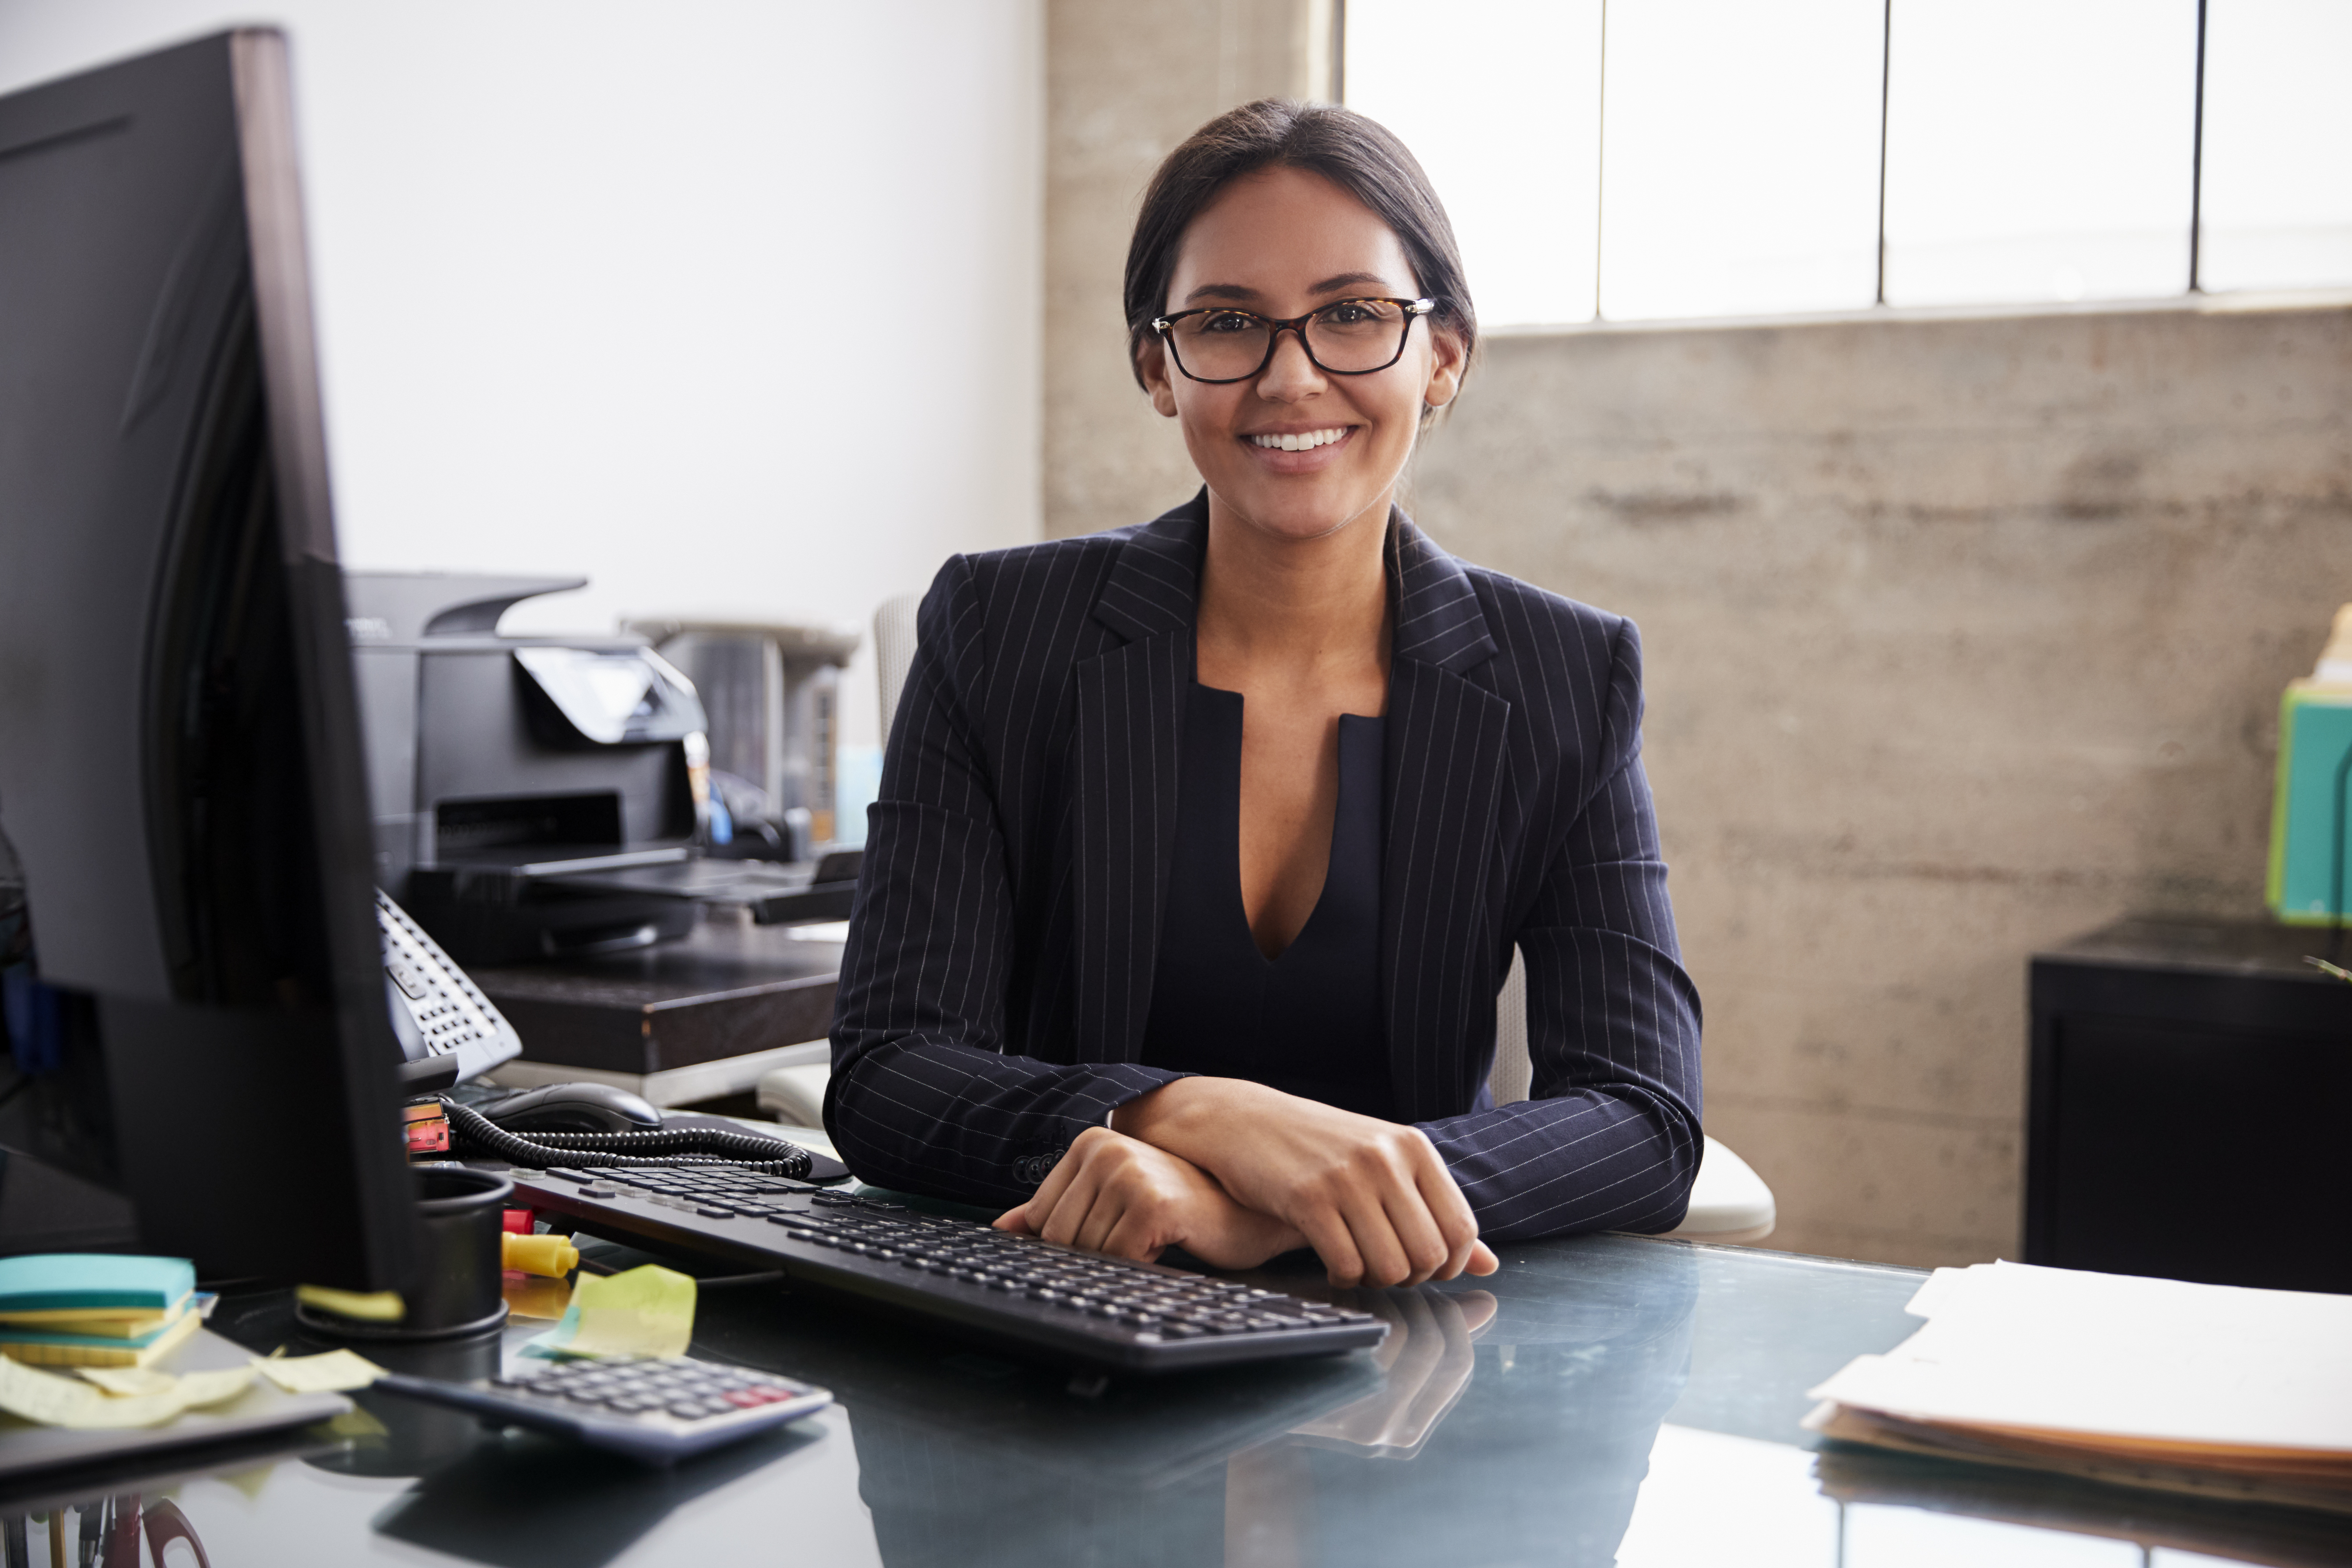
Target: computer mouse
573, 1108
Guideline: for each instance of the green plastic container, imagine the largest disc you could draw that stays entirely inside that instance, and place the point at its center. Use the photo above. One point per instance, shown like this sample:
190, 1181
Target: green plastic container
2311, 826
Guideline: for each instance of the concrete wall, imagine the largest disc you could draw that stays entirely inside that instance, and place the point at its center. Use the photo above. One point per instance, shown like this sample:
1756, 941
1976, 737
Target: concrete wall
1965, 634
1124, 84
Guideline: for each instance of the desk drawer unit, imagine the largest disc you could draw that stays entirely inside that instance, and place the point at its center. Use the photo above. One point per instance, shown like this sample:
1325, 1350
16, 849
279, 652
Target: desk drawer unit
2189, 1109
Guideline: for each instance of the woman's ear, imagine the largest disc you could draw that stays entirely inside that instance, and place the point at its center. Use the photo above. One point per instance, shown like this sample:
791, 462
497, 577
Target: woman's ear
1151, 363
1445, 370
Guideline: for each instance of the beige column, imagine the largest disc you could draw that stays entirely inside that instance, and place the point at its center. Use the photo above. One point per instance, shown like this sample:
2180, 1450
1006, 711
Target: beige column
1126, 81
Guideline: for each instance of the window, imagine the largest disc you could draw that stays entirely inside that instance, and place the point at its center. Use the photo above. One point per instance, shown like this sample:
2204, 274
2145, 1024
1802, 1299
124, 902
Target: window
2278, 145
1740, 157
1644, 158
2039, 150
1498, 99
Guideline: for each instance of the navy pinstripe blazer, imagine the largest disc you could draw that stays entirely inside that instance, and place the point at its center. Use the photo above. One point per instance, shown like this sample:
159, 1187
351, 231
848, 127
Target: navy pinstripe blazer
998, 967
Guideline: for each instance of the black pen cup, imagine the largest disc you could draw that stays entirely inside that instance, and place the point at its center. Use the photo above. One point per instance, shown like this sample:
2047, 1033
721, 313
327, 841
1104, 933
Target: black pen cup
455, 1287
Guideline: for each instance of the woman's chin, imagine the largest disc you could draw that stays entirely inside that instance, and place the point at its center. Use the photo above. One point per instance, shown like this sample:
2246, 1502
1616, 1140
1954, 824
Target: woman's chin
1300, 519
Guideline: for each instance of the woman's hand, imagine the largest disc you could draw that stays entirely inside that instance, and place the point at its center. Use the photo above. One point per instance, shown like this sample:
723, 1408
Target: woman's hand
1112, 1194
1371, 1196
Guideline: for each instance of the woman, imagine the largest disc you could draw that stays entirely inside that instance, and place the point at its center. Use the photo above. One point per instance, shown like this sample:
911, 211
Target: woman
1203, 846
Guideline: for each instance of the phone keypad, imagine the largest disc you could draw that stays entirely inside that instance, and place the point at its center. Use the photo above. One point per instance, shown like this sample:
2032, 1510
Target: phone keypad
449, 1012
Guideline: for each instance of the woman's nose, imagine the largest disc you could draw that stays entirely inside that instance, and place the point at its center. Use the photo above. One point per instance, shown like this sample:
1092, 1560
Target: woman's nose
1290, 374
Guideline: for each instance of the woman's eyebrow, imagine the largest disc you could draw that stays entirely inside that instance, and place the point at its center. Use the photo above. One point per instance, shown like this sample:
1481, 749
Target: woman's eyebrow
1347, 280
1328, 286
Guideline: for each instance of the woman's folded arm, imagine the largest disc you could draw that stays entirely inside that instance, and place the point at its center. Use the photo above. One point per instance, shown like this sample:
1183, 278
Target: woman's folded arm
1608, 1138
923, 1095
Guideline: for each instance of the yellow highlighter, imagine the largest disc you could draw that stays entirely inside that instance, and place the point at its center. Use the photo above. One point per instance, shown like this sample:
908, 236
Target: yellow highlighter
552, 1256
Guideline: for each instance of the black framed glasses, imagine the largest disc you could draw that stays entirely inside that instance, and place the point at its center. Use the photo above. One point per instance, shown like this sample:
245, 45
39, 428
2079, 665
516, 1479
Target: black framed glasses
1218, 344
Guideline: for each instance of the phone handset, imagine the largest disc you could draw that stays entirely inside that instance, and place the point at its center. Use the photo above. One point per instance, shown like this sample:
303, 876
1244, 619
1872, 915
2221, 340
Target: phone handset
448, 1031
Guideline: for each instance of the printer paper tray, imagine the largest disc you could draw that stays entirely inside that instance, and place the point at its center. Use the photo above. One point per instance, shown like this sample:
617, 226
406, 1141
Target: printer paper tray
776, 895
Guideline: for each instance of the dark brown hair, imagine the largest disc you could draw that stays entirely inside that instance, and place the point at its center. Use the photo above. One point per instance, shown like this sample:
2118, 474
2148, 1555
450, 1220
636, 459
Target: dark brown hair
1360, 156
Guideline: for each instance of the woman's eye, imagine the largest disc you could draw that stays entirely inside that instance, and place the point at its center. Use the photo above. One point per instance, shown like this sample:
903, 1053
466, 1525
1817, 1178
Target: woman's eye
1228, 322
1349, 315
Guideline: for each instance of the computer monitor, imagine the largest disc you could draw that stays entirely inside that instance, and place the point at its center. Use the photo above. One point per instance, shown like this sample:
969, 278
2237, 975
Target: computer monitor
180, 766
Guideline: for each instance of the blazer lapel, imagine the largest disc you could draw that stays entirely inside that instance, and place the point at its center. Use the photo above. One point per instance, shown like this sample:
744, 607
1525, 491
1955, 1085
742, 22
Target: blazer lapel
1443, 780
1130, 723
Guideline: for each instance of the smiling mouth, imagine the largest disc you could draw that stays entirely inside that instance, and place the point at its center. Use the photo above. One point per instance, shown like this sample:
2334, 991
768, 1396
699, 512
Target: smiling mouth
1300, 441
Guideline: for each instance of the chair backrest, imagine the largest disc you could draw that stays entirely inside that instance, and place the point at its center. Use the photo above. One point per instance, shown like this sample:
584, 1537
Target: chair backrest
894, 651
1513, 1071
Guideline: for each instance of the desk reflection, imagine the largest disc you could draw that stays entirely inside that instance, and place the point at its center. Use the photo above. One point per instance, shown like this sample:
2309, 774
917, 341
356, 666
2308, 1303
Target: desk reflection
1598, 1399
1427, 1362
1526, 1425
520, 1500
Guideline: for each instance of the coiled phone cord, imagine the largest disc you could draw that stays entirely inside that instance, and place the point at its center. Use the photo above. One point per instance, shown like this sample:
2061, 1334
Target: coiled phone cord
686, 1146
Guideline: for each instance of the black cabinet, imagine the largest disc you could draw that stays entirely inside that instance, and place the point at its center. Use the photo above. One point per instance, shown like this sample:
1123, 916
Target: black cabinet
2189, 1106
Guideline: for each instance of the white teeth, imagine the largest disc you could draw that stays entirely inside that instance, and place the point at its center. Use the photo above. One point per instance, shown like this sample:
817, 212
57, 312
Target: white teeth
1304, 440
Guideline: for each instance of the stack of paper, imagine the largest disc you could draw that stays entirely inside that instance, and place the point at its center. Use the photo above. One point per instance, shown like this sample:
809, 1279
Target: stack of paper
2210, 1389
85, 1309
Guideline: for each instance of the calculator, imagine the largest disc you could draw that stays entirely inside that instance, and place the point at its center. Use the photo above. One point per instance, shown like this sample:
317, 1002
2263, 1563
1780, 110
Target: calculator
659, 1411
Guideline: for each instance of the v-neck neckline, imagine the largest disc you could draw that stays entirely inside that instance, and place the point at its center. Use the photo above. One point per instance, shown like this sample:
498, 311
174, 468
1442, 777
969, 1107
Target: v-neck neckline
1237, 906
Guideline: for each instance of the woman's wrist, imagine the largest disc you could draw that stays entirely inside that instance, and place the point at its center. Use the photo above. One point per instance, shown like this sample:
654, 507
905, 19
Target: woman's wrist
1169, 1117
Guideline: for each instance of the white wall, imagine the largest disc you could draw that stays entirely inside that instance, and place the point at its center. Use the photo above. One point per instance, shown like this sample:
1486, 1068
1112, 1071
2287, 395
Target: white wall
731, 308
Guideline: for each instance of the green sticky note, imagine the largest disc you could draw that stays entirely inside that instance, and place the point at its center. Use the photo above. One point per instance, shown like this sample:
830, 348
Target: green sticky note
646, 1311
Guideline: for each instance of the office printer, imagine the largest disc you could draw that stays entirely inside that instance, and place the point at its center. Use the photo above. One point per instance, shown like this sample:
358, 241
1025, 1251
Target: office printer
543, 797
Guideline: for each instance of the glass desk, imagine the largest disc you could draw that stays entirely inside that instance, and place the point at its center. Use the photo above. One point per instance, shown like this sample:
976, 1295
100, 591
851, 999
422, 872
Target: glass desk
1602, 1399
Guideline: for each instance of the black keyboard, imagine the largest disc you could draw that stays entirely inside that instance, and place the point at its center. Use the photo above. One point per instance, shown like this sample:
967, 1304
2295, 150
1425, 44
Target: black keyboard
1073, 1306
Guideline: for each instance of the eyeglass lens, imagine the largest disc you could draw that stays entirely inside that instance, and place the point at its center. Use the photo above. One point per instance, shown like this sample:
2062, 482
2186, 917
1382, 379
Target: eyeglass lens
1354, 335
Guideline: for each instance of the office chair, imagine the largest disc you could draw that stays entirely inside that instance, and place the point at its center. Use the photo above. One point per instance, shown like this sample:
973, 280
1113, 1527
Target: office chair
894, 651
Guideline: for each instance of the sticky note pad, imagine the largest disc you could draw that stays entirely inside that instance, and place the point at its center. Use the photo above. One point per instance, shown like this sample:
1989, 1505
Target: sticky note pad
93, 1281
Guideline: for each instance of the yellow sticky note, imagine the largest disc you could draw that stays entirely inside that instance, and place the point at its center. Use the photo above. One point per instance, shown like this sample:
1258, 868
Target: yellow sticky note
646, 1311
198, 1389
379, 1307
330, 1372
54, 1401
131, 1380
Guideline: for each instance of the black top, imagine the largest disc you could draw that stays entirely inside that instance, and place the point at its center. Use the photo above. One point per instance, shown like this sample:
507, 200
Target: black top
1308, 1022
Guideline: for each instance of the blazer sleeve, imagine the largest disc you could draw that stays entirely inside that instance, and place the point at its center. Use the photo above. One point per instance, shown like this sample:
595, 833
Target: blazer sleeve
1609, 1138
923, 1095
